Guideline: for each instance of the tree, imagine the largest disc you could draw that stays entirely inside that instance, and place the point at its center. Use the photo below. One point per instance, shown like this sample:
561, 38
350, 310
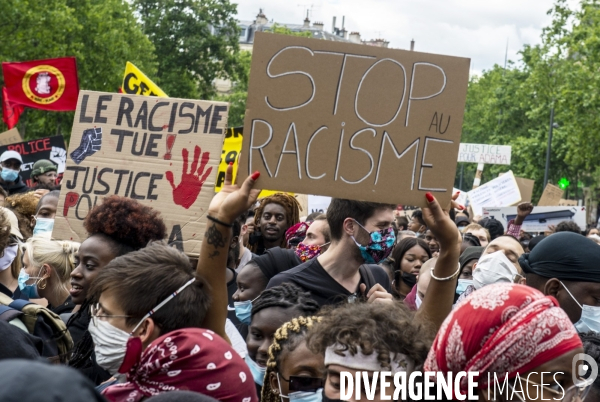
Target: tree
196, 42
102, 34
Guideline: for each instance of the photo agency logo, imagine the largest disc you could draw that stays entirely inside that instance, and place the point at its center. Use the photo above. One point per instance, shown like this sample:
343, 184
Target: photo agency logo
546, 386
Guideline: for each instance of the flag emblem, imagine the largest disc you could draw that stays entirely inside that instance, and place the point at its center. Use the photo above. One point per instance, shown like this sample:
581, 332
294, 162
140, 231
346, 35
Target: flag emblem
43, 84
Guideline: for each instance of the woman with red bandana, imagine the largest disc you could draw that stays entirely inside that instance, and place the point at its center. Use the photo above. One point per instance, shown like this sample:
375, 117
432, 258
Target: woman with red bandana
515, 332
190, 359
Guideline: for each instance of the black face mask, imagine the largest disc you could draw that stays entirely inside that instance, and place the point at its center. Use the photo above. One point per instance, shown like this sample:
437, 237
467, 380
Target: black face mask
326, 399
409, 279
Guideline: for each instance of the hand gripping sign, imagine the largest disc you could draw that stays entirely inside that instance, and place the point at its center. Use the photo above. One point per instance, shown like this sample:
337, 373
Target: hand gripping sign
353, 121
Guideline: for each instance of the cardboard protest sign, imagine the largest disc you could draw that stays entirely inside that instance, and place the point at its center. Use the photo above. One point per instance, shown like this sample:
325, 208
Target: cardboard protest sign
540, 218
551, 196
51, 148
500, 192
10, 137
163, 152
353, 121
484, 153
525, 188
136, 82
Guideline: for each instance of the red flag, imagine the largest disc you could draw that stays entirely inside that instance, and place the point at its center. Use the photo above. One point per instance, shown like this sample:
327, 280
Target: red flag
10, 112
43, 84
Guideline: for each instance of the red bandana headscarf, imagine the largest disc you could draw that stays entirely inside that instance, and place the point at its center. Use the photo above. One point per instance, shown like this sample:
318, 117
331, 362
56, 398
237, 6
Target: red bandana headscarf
504, 328
189, 359
296, 233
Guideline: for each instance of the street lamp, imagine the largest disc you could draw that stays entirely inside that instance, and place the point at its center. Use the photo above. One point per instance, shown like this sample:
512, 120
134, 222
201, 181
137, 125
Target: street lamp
549, 149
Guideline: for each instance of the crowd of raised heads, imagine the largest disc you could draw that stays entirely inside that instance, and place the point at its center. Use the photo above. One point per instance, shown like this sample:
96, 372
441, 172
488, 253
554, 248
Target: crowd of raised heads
281, 304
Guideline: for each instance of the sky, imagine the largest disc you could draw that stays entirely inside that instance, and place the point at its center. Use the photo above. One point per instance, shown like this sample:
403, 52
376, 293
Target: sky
477, 29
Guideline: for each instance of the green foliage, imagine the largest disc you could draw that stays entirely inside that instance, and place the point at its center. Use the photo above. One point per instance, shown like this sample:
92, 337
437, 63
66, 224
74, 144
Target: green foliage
512, 106
101, 34
284, 30
239, 92
196, 42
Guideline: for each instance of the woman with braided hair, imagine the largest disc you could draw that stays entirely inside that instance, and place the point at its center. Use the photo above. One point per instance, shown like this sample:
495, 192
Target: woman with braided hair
293, 371
116, 227
273, 217
271, 309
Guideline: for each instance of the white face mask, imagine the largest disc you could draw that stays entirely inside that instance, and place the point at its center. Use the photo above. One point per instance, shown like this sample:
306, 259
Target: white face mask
8, 257
110, 344
493, 268
590, 316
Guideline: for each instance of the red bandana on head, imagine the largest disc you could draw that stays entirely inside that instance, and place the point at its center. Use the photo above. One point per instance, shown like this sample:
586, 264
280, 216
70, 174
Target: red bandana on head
189, 359
297, 233
501, 329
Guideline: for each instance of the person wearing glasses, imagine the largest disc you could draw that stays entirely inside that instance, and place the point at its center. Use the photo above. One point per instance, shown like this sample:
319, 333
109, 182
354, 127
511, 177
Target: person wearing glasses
293, 371
116, 227
512, 333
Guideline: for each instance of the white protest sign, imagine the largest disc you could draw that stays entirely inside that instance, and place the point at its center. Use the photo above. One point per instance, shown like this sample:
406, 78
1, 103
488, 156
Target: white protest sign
500, 192
540, 218
318, 203
484, 153
462, 197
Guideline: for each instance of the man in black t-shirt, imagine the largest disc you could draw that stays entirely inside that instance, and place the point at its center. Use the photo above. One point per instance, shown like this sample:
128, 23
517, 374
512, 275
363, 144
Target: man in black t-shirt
335, 276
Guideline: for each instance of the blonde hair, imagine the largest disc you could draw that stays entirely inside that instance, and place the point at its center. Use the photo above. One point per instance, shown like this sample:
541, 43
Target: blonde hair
476, 226
288, 336
59, 254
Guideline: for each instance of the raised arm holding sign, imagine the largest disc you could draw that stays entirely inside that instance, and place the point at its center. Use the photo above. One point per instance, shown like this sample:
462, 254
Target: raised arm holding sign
353, 121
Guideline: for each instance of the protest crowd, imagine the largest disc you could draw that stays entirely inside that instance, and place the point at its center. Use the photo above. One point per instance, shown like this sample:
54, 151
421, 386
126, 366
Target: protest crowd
236, 295
278, 304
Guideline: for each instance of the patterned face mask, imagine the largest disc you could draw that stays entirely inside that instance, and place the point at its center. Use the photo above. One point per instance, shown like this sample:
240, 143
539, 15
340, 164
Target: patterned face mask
380, 245
306, 253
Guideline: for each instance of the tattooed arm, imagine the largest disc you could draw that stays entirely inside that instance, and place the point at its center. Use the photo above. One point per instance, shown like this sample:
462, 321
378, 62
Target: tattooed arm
224, 208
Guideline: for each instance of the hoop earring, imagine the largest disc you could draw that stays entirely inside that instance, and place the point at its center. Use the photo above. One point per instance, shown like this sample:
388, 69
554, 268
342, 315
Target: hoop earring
40, 284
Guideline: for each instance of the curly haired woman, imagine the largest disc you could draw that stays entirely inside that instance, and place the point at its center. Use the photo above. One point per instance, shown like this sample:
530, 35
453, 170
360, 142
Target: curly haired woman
116, 227
368, 337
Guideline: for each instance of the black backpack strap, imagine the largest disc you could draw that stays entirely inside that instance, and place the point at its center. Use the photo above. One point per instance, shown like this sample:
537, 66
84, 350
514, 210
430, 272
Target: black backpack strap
8, 314
19, 304
367, 275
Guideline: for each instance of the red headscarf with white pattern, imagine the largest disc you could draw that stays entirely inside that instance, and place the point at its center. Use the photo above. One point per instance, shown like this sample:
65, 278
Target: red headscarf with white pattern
190, 359
503, 328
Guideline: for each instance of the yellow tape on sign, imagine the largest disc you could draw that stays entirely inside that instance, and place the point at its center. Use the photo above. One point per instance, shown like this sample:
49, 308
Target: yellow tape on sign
136, 82
232, 146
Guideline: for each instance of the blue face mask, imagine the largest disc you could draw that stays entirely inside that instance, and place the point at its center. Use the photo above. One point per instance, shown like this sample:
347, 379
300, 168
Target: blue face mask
9, 174
462, 285
258, 373
381, 244
30, 291
590, 316
301, 396
243, 311
43, 226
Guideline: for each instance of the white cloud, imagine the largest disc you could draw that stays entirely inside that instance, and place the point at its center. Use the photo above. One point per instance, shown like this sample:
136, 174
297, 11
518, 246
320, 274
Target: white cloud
468, 28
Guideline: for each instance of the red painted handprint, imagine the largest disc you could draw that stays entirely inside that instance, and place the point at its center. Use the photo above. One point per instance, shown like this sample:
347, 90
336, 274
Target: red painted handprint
186, 193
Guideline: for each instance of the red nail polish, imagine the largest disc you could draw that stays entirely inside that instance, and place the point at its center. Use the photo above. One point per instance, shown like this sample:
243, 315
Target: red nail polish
429, 196
461, 207
458, 192
230, 163
255, 175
